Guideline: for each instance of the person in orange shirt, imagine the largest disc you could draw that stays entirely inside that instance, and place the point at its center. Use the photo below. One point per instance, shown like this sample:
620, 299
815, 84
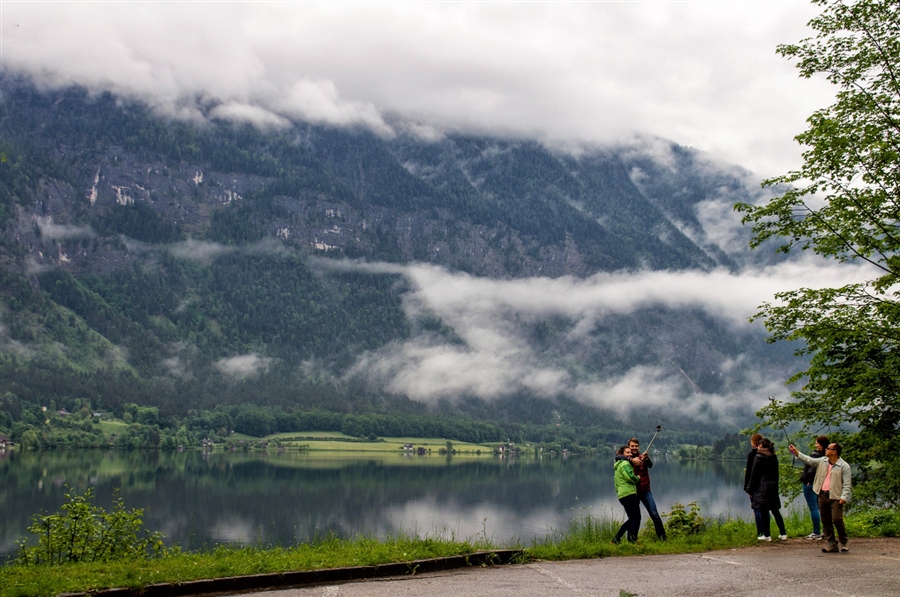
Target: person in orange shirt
832, 484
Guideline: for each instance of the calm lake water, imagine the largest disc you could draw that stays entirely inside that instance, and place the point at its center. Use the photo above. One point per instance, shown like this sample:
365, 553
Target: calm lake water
199, 499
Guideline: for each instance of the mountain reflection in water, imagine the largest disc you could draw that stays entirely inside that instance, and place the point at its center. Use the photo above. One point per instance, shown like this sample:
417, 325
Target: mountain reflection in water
198, 499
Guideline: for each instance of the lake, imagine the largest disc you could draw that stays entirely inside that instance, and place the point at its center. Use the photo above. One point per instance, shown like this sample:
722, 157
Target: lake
198, 499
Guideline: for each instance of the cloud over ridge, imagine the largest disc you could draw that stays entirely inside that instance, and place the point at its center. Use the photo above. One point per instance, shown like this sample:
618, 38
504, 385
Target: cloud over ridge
701, 74
495, 357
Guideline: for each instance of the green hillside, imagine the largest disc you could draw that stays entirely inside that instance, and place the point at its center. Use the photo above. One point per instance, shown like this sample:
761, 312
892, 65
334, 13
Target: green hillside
190, 268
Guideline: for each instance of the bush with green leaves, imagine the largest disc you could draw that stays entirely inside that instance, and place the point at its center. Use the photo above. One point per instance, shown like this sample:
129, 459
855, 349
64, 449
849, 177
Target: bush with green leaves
84, 532
876, 522
683, 521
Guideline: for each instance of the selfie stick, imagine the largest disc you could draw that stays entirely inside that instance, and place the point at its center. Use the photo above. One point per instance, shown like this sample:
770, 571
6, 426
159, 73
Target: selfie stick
658, 428
772, 400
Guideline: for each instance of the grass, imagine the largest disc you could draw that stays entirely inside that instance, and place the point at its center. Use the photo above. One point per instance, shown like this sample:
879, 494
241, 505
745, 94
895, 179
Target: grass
112, 427
333, 441
20, 581
587, 536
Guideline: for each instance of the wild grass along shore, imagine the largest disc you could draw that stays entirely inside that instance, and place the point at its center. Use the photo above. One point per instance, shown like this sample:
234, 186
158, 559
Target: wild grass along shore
587, 536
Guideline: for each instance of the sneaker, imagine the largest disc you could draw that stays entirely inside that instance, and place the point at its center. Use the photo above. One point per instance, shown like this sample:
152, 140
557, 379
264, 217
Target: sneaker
815, 536
782, 537
844, 548
763, 538
830, 549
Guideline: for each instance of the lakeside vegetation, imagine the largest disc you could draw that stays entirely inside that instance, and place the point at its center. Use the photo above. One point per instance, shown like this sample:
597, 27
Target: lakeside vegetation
133, 427
587, 536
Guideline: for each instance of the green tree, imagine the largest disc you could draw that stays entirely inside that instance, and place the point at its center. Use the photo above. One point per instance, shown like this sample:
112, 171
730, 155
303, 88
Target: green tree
844, 204
255, 422
30, 440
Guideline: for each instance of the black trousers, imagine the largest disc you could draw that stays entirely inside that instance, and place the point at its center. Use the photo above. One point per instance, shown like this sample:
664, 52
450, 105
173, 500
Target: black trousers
632, 505
763, 521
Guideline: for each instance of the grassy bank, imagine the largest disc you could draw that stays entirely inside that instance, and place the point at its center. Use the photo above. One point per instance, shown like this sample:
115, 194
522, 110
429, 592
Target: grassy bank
339, 442
587, 536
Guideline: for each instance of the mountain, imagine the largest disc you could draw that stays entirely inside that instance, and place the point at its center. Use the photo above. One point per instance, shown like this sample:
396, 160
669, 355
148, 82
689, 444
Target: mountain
188, 264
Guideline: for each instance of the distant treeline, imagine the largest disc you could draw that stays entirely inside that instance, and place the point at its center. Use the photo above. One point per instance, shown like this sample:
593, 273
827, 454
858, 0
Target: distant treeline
38, 428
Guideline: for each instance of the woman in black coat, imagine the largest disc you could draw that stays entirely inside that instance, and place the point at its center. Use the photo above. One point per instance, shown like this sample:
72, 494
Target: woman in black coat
763, 489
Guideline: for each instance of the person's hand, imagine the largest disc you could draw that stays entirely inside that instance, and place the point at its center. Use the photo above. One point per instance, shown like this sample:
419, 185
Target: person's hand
644, 455
792, 449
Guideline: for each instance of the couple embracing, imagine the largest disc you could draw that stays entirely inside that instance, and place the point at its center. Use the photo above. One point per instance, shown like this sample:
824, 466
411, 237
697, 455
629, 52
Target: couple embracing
631, 476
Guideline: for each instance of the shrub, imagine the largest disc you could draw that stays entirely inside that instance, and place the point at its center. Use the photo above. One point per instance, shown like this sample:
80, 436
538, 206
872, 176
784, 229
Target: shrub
681, 522
877, 523
83, 532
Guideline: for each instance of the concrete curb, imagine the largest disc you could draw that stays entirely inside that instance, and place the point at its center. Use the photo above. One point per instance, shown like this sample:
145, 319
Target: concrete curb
283, 580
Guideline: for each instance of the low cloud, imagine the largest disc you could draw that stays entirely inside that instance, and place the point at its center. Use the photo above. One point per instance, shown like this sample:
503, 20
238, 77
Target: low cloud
320, 102
243, 366
10, 345
182, 353
492, 354
199, 251
52, 231
246, 113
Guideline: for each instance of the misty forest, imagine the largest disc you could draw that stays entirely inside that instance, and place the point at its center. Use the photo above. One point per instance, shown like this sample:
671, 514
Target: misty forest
205, 269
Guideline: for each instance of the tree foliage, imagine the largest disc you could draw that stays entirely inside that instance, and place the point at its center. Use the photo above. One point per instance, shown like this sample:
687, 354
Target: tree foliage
844, 204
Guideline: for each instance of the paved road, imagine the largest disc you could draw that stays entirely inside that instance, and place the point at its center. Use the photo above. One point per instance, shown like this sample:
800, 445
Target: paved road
796, 568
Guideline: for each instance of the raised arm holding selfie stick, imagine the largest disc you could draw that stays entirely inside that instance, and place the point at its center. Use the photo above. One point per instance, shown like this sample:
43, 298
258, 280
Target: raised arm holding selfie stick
658, 429
641, 464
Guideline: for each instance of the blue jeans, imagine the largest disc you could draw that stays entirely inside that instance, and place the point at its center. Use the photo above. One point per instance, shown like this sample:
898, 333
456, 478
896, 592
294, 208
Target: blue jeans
812, 500
646, 498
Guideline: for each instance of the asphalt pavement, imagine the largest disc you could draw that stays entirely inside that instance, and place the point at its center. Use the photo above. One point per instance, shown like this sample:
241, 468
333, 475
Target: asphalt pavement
794, 568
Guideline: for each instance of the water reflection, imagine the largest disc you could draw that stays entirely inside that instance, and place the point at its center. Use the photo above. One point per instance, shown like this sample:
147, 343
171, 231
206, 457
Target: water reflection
198, 499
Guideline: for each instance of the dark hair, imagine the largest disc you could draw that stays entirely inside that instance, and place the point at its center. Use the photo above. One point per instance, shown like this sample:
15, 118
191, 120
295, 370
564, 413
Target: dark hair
767, 444
754, 439
822, 441
621, 450
634, 441
837, 448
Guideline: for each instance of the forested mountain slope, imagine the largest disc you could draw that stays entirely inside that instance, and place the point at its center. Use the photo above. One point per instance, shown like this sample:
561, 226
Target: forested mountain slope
186, 265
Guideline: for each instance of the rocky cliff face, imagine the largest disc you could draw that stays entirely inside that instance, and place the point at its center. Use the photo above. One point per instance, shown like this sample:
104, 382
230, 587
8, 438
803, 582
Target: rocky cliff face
497, 208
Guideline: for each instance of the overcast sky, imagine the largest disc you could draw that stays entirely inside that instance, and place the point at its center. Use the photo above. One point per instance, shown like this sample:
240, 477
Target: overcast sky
703, 74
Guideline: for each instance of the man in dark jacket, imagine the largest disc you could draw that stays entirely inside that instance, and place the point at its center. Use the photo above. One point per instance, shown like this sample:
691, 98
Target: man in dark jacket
806, 480
641, 464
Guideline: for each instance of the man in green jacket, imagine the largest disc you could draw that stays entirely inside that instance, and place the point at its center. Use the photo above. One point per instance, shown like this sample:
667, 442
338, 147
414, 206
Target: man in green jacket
832, 484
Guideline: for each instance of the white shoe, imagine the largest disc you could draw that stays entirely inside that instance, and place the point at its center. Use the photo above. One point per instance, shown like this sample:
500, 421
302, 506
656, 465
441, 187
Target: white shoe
814, 536
763, 538
782, 537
